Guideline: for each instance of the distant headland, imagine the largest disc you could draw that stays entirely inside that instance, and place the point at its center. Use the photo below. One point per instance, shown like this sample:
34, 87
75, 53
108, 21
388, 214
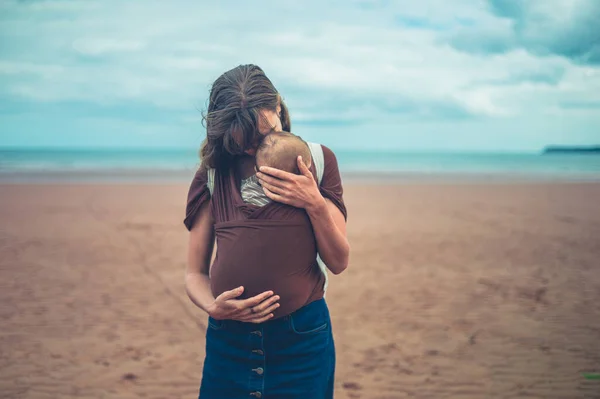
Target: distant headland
556, 149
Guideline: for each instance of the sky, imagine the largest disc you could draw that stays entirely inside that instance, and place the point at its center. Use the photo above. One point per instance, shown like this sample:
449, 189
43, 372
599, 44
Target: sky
428, 75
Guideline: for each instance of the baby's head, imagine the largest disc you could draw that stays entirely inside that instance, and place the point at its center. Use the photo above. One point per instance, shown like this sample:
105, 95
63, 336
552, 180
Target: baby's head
280, 150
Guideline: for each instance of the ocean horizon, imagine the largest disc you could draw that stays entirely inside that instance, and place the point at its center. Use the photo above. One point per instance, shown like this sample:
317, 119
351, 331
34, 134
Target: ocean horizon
44, 164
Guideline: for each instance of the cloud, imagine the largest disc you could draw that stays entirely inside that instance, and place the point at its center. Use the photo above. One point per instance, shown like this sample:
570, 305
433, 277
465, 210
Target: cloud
594, 105
492, 39
567, 28
341, 65
55, 5
98, 46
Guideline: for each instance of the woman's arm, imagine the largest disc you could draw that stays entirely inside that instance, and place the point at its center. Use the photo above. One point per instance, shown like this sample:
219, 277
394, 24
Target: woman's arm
197, 283
327, 220
329, 226
200, 249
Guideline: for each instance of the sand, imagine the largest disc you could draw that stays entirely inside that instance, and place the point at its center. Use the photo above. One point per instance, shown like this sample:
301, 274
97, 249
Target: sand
453, 291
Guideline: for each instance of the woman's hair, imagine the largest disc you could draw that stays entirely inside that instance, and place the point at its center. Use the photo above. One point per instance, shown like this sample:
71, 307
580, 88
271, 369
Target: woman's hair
233, 115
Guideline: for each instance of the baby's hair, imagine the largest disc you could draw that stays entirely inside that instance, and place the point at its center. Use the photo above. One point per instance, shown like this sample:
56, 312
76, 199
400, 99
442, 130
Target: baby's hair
280, 150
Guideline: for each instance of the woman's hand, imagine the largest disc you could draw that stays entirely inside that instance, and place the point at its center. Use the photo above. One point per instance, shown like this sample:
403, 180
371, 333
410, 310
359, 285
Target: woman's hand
257, 309
300, 191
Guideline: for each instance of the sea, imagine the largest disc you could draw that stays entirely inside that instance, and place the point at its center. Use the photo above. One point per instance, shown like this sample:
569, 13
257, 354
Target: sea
179, 165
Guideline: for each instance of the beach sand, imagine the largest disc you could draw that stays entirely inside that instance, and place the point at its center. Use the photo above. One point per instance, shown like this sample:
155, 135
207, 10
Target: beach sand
453, 291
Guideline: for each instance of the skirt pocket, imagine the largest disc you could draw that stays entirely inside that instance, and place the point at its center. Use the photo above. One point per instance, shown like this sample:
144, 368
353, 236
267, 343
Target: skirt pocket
215, 324
312, 319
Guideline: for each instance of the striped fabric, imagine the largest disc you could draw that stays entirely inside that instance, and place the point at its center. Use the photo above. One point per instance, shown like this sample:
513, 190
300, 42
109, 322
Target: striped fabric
252, 192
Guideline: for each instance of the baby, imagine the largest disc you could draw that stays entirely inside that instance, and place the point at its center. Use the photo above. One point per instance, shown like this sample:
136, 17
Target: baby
280, 150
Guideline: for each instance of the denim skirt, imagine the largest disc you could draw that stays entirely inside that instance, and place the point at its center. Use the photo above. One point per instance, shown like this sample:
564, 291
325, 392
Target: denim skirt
287, 358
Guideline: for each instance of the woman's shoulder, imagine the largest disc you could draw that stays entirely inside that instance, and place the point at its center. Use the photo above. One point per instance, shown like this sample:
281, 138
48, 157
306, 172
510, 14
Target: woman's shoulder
328, 154
331, 172
201, 175
198, 193
331, 184
329, 159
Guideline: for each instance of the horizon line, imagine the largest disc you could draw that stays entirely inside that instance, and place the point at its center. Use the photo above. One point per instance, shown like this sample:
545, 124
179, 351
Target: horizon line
337, 149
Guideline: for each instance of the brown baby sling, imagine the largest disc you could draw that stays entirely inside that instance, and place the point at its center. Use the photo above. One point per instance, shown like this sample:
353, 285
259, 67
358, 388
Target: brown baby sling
319, 164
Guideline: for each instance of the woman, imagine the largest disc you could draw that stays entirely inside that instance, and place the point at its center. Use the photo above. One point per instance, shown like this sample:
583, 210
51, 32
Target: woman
251, 349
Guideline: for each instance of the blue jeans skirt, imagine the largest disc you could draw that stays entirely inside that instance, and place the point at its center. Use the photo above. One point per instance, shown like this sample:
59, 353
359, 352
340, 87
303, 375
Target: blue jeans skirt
287, 358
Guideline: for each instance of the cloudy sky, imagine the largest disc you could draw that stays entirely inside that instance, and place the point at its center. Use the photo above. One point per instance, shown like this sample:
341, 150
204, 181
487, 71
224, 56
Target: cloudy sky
496, 75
